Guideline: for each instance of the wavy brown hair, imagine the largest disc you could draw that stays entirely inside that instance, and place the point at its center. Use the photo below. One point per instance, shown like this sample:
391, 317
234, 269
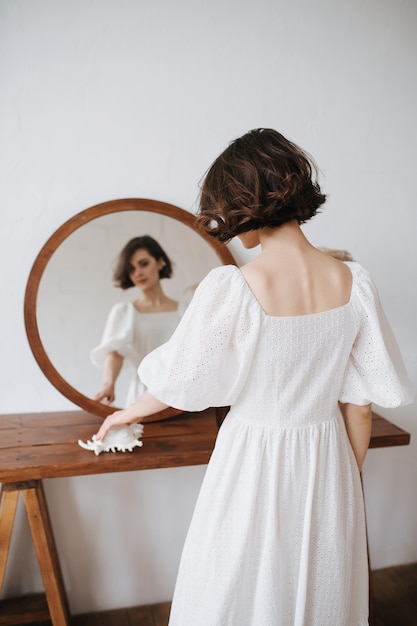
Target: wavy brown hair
260, 180
122, 269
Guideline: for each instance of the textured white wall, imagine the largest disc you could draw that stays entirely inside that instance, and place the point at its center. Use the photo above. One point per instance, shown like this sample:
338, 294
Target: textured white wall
104, 99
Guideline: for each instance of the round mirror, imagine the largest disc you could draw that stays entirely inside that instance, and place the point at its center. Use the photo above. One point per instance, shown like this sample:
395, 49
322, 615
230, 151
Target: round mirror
70, 289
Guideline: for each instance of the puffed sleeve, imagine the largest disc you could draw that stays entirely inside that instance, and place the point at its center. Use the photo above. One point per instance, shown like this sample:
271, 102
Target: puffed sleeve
375, 371
117, 335
207, 360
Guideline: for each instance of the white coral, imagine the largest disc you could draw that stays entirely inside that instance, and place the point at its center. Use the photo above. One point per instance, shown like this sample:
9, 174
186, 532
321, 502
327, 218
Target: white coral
120, 438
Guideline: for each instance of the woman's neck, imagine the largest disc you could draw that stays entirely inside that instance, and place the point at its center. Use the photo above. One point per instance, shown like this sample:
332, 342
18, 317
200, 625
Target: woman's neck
285, 238
154, 300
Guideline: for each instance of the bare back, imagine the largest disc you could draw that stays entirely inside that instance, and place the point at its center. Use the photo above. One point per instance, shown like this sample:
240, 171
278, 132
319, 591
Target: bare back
291, 277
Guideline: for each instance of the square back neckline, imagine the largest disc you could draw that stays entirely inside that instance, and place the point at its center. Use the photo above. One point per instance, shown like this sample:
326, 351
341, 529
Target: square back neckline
342, 307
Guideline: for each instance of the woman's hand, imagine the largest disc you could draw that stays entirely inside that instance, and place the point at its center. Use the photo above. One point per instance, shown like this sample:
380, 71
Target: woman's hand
111, 370
118, 418
146, 405
106, 394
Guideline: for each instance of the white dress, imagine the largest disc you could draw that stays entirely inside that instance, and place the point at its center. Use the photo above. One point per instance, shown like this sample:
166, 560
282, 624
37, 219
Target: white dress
133, 335
278, 533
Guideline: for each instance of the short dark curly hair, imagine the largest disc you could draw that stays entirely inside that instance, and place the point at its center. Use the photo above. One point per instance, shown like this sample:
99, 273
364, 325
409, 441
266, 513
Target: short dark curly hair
122, 269
260, 180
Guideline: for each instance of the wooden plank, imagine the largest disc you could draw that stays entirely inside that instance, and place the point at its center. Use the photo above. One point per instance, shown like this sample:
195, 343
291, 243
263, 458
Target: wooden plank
36, 421
186, 441
31, 430
8, 505
24, 610
65, 460
138, 616
49, 418
385, 434
43, 540
395, 595
141, 616
161, 613
112, 618
20, 485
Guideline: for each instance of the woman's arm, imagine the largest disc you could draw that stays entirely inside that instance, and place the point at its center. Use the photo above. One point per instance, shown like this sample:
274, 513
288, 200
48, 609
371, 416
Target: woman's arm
146, 405
358, 422
111, 370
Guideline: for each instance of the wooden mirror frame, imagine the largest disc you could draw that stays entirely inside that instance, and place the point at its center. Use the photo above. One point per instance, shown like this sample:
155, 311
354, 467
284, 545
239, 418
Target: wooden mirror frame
41, 261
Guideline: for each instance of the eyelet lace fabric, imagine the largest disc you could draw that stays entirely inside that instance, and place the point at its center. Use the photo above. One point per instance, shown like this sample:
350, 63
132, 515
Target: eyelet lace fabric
133, 335
278, 534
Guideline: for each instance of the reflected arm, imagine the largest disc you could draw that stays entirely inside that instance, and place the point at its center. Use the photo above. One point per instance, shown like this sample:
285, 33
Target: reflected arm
111, 370
358, 422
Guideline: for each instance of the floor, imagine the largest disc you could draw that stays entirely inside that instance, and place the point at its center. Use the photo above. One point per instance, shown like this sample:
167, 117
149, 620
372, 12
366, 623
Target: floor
395, 593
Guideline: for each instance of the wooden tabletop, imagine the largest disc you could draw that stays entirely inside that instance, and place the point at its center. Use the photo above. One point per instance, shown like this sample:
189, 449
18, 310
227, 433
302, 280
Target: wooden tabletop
44, 445
385, 434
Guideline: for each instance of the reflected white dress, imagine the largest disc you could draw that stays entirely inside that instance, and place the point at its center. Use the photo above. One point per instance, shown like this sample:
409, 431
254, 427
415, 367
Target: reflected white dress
133, 335
278, 533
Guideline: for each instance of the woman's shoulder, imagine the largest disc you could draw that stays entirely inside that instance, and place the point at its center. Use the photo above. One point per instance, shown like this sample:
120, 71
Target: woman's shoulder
223, 272
360, 275
218, 277
364, 292
121, 310
224, 291
225, 281
122, 306
356, 268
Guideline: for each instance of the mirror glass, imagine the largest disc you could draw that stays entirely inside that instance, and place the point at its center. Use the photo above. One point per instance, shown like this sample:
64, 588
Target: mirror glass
72, 284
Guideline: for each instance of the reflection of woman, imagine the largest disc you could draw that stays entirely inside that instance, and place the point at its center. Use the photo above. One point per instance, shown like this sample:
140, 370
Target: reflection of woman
297, 343
135, 328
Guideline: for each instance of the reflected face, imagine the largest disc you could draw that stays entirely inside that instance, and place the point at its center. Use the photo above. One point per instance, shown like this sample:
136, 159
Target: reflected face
144, 269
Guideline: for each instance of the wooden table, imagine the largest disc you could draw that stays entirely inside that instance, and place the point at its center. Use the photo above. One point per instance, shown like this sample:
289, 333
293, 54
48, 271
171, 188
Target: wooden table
34, 446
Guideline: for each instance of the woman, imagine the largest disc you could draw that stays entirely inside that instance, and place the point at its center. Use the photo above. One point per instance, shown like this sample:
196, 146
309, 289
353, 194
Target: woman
135, 328
297, 343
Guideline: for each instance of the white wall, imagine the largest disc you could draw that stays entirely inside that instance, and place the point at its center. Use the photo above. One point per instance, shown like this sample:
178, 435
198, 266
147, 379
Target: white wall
105, 99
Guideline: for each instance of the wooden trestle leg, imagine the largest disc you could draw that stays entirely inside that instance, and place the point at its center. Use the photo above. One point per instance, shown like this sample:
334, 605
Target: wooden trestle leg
43, 540
8, 505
